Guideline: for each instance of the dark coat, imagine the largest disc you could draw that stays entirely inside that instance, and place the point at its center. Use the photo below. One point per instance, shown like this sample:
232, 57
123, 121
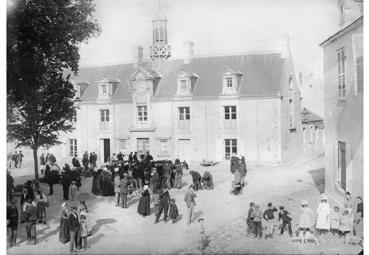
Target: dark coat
31, 213
9, 182
124, 183
73, 223
234, 164
173, 211
65, 179
144, 204
12, 214
96, 182
195, 176
164, 199
75, 162
243, 169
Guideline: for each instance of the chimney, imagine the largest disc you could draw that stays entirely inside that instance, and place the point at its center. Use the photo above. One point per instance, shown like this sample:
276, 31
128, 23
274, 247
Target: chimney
139, 56
285, 46
188, 52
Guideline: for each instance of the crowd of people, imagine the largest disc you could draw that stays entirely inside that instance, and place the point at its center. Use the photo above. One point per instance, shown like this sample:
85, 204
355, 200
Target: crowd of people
345, 225
15, 160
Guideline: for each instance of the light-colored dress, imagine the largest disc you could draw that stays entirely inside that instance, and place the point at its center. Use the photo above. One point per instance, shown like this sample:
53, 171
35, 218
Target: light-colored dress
323, 220
306, 218
335, 220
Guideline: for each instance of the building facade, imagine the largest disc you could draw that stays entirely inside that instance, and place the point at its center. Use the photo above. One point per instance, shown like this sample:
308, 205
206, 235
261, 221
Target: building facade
343, 89
191, 108
313, 137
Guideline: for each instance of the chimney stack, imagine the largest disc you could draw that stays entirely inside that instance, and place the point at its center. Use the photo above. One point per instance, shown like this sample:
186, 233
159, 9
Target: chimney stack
139, 56
188, 52
285, 46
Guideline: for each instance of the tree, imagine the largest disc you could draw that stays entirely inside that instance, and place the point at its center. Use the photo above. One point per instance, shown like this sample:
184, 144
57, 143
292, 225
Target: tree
43, 39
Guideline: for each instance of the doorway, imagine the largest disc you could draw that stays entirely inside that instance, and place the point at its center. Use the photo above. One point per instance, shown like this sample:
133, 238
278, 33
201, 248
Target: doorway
104, 149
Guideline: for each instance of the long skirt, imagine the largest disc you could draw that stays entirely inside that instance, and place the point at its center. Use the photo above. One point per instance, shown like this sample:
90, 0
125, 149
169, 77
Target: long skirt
144, 206
64, 235
96, 185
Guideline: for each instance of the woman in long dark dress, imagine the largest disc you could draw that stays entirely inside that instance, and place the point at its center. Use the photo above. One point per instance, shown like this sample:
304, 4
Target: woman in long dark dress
64, 235
96, 181
144, 204
107, 187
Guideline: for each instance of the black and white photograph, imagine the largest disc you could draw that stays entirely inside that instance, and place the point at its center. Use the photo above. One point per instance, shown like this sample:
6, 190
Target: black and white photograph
184, 127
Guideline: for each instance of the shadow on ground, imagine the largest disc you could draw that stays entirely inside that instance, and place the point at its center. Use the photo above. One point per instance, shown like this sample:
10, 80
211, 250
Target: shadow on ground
318, 176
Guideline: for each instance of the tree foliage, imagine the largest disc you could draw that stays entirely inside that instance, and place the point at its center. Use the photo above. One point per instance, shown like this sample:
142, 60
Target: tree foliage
43, 39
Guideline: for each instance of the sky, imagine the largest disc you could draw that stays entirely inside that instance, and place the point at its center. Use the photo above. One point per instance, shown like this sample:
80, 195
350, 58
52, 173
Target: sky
215, 27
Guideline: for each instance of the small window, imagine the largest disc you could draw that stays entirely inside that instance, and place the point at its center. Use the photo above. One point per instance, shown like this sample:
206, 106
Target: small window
104, 115
122, 144
184, 113
183, 84
229, 82
74, 116
142, 113
103, 89
73, 147
230, 112
341, 59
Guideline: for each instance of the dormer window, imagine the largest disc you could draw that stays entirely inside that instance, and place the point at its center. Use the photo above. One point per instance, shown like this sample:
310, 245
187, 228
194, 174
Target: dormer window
107, 88
186, 83
183, 84
231, 82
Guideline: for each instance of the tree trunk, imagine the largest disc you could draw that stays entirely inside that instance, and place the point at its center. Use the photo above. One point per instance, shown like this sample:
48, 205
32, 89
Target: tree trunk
35, 159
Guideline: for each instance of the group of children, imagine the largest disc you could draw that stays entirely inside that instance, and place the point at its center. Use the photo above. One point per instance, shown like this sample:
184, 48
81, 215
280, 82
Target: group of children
347, 224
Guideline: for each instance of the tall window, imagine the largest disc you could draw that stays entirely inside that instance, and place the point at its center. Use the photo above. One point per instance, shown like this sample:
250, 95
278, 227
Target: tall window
357, 41
291, 115
341, 165
72, 147
341, 72
229, 82
104, 115
142, 113
230, 147
184, 113
230, 112
74, 116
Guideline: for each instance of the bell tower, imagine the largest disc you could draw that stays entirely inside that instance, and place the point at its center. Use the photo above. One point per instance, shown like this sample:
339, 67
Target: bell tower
160, 51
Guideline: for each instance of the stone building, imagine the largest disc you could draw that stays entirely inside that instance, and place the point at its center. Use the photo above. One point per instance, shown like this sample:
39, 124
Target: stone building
343, 90
193, 108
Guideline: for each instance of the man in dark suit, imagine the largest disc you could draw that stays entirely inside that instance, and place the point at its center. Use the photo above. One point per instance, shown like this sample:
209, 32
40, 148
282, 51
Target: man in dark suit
73, 225
12, 222
31, 218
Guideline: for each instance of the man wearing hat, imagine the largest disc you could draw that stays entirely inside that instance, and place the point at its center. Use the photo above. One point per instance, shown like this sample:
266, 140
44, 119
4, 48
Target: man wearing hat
124, 183
116, 186
190, 203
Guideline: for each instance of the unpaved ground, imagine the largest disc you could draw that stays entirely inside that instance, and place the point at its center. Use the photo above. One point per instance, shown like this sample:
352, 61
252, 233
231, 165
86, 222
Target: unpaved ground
118, 230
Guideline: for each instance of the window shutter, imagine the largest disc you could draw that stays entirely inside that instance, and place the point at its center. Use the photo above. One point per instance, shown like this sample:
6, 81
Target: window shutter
348, 168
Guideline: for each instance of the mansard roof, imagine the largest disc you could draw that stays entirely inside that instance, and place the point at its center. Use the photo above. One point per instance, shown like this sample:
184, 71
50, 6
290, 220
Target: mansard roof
262, 75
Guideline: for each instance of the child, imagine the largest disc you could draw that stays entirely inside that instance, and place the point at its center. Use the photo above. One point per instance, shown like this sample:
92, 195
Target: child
346, 222
84, 231
202, 235
306, 222
335, 220
257, 216
249, 220
173, 210
73, 190
268, 216
285, 216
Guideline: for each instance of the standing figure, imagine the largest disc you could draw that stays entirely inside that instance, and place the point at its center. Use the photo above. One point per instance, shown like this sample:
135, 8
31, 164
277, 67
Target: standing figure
42, 159
250, 220
41, 202
335, 220
20, 158
268, 216
285, 216
196, 179
117, 186
9, 185
144, 204
359, 214
346, 222
164, 201
15, 159
306, 218
49, 178
83, 230
73, 226
124, 183
64, 235
96, 181
179, 174
243, 170
73, 191
173, 210
85, 161
31, 218
12, 216
323, 222
190, 204
257, 218
65, 182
